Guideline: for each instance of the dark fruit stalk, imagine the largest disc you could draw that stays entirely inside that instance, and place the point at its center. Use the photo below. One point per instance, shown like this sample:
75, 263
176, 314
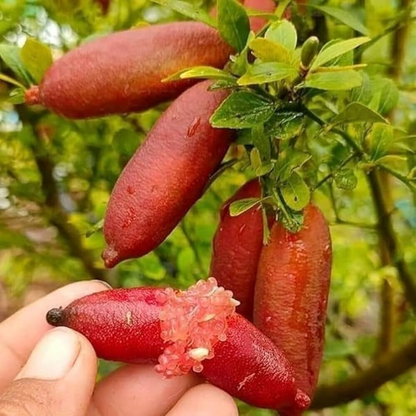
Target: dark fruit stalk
123, 72
166, 176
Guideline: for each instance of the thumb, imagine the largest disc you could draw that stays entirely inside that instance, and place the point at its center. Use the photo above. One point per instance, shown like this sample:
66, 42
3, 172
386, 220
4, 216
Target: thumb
58, 378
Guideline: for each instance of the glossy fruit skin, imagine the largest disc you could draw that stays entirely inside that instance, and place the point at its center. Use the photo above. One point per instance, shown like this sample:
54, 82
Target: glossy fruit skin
236, 248
123, 325
123, 72
266, 6
166, 176
291, 294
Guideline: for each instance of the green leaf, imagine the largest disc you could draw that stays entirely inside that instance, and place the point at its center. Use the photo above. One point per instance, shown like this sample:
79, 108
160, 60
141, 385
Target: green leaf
242, 109
379, 94
188, 10
357, 113
267, 72
285, 125
261, 141
205, 72
345, 179
95, 228
389, 94
239, 63
255, 159
344, 59
295, 192
270, 51
10, 54
17, 96
343, 16
243, 205
36, 58
289, 160
336, 50
264, 169
283, 32
222, 84
233, 23
380, 140
333, 81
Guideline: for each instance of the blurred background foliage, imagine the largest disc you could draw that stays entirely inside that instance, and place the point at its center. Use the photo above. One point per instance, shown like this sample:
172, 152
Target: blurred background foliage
56, 177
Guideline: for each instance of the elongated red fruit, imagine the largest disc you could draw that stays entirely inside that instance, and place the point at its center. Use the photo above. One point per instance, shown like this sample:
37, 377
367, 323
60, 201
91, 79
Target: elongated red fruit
291, 294
266, 6
166, 176
196, 329
122, 72
236, 249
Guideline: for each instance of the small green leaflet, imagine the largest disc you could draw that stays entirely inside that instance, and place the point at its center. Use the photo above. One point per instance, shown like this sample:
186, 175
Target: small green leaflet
10, 54
188, 10
239, 63
357, 113
205, 72
285, 125
243, 205
336, 50
233, 23
261, 141
242, 109
36, 58
222, 84
345, 179
283, 32
333, 81
343, 16
266, 72
17, 96
341, 60
380, 139
95, 228
270, 51
289, 160
295, 192
255, 159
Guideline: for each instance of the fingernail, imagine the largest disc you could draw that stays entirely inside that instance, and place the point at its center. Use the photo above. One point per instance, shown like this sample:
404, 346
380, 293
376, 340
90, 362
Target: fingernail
104, 283
53, 356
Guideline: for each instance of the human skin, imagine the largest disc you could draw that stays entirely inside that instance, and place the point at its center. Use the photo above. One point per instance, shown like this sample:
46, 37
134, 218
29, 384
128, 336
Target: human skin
47, 371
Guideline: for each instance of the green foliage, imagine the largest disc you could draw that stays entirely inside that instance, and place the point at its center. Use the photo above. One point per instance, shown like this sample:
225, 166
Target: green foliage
309, 132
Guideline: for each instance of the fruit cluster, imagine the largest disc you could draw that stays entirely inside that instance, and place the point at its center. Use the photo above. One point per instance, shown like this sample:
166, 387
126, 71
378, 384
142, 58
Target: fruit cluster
265, 346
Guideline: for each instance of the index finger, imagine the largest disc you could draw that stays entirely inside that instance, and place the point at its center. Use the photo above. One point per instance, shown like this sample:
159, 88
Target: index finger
21, 332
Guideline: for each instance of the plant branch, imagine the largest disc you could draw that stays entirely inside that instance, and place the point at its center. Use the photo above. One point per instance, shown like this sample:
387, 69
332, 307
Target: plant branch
193, 247
56, 214
388, 235
386, 230
383, 370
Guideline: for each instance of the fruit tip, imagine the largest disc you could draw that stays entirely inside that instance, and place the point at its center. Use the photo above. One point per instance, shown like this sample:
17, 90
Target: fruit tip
110, 257
54, 317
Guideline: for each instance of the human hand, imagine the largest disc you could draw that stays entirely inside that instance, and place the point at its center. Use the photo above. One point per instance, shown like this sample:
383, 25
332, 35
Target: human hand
53, 372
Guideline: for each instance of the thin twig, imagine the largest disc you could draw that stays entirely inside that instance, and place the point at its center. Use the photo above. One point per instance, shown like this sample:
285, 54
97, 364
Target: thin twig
383, 370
